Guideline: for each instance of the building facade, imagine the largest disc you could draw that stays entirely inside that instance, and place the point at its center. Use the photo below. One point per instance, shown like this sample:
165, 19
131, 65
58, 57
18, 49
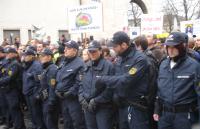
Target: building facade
18, 16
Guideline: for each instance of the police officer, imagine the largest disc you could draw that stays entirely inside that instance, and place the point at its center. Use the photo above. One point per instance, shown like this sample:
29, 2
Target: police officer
9, 83
47, 91
68, 83
178, 86
31, 84
3, 108
97, 104
130, 83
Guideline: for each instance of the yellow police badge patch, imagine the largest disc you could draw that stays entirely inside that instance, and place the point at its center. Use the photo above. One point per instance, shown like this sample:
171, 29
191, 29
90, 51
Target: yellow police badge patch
53, 82
3, 70
10, 73
132, 71
199, 84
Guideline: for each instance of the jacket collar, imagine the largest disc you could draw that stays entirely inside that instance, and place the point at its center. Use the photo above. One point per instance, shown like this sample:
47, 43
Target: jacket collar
130, 53
99, 65
178, 63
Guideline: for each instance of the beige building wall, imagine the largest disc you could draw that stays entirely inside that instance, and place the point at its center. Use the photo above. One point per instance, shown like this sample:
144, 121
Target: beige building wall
52, 14
22, 14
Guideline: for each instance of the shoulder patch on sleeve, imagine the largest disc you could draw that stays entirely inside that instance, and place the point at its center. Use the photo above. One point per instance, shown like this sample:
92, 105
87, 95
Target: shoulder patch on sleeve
53, 82
3, 70
10, 73
132, 71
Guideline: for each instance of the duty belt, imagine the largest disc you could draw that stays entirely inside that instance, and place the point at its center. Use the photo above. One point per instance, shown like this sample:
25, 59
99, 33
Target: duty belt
181, 108
139, 104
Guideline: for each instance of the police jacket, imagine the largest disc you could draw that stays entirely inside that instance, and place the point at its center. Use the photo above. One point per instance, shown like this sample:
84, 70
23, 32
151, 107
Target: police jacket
67, 77
2, 63
48, 80
31, 82
94, 70
130, 81
10, 74
179, 85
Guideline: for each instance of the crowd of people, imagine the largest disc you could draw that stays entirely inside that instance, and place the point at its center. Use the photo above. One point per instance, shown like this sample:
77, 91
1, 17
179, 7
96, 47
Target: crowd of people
144, 83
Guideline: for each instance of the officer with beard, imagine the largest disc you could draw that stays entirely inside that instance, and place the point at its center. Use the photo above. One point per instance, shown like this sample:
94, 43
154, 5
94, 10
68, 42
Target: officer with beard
130, 83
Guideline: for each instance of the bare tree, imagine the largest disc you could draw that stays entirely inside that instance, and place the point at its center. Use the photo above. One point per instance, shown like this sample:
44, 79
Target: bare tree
134, 13
185, 8
198, 12
181, 10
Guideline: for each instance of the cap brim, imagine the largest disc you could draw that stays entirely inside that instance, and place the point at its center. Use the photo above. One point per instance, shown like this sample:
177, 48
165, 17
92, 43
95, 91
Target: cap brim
44, 54
67, 45
112, 44
12, 52
93, 49
27, 54
113, 41
170, 43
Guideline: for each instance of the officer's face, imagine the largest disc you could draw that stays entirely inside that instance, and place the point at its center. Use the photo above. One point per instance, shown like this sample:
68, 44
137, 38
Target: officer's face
70, 52
94, 54
45, 58
172, 51
28, 58
120, 48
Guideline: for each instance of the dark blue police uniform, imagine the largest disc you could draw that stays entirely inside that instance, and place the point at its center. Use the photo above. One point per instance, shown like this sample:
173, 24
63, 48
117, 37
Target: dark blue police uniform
130, 84
3, 103
47, 93
9, 85
98, 115
178, 89
67, 87
31, 85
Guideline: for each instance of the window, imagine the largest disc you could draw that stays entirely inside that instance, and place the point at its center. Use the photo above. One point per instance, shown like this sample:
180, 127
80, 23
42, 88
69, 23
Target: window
29, 34
11, 35
64, 32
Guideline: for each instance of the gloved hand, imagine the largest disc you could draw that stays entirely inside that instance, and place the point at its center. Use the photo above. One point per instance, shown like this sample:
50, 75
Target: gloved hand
69, 94
100, 84
45, 94
38, 96
84, 104
92, 105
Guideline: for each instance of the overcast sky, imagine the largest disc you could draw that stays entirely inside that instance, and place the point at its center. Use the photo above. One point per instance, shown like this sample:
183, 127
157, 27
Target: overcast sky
157, 5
